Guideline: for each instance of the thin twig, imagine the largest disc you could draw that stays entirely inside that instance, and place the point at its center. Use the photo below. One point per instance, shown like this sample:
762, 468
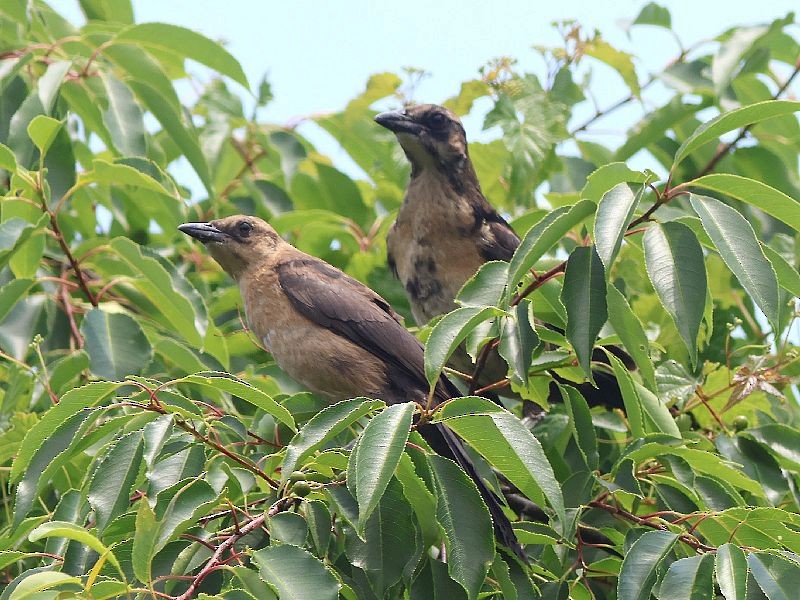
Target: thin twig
216, 558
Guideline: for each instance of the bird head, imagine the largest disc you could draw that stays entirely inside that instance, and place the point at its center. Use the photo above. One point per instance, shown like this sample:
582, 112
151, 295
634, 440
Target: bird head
236, 242
430, 135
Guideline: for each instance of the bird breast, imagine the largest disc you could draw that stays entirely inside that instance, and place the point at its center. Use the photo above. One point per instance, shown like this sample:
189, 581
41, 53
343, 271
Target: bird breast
433, 245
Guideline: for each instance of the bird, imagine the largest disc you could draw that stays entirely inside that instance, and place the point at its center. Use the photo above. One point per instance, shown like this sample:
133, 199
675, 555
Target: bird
446, 230
333, 334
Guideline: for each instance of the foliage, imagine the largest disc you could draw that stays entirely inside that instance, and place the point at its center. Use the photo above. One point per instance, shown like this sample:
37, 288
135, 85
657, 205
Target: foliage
148, 446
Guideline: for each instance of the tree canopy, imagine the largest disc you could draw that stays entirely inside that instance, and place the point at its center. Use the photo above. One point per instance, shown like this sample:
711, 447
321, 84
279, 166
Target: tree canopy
149, 447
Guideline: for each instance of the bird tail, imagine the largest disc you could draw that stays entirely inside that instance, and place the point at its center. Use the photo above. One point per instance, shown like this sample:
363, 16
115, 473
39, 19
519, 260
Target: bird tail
447, 444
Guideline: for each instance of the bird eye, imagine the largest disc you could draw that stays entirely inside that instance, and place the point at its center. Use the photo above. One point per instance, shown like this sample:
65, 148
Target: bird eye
437, 120
244, 227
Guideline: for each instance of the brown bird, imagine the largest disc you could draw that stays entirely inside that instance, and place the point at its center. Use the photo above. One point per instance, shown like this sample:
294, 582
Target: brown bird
446, 229
333, 334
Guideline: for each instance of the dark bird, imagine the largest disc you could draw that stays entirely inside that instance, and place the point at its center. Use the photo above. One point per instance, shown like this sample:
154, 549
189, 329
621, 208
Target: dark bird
446, 229
333, 334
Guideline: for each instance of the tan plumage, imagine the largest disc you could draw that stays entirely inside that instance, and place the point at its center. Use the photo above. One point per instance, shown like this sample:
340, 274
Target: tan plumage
331, 333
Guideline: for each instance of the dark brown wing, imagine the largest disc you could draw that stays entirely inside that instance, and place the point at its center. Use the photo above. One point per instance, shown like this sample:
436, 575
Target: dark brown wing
498, 240
337, 302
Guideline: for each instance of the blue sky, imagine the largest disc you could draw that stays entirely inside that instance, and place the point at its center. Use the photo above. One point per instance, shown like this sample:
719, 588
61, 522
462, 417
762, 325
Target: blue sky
318, 54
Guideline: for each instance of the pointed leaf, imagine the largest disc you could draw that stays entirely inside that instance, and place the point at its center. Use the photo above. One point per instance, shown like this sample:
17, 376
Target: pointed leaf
241, 389
379, 448
631, 331
676, 267
467, 526
43, 130
123, 118
110, 488
739, 248
116, 344
542, 237
731, 571
71, 403
777, 576
448, 333
584, 296
295, 574
71, 531
755, 193
322, 427
581, 418
185, 43
639, 570
507, 444
754, 113
614, 214
690, 578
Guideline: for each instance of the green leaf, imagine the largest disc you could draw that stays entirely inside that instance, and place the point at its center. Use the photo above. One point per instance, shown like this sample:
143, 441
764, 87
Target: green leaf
30, 586
640, 567
777, 576
241, 389
295, 574
7, 159
14, 232
184, 137
110, 488
630, 398
288, 528
621, 62
144, 541
507, 444
116, 345
690, 578
321, 428
123, 118
739, 248
182, 511
731, 571
755, 193
518, 340
653, 14
486, 287
542, 237
466, 523
73, 532
154, 281
783, 441
42, 131
106, 173
379, 448
11, 293
676, 267
186, 44
607, 177
731, 52
46, 458
614, 214
788, 277
584, 296
581, 418
448, 333
70, 404
754, 113
391, 545
631, 331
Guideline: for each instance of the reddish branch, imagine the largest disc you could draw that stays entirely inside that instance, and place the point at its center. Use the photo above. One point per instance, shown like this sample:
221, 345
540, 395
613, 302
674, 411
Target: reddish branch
216, 561
686, 538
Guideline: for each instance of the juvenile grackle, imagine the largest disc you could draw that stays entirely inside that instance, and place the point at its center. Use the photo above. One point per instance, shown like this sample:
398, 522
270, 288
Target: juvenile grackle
332, 334
446, 229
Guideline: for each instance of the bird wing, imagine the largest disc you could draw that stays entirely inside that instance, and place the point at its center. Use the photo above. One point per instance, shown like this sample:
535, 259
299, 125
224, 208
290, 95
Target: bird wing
498, 240
347, 307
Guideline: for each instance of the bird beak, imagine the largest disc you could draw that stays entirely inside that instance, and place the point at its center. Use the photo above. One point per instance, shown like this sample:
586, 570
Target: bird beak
205, 232
398, 122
